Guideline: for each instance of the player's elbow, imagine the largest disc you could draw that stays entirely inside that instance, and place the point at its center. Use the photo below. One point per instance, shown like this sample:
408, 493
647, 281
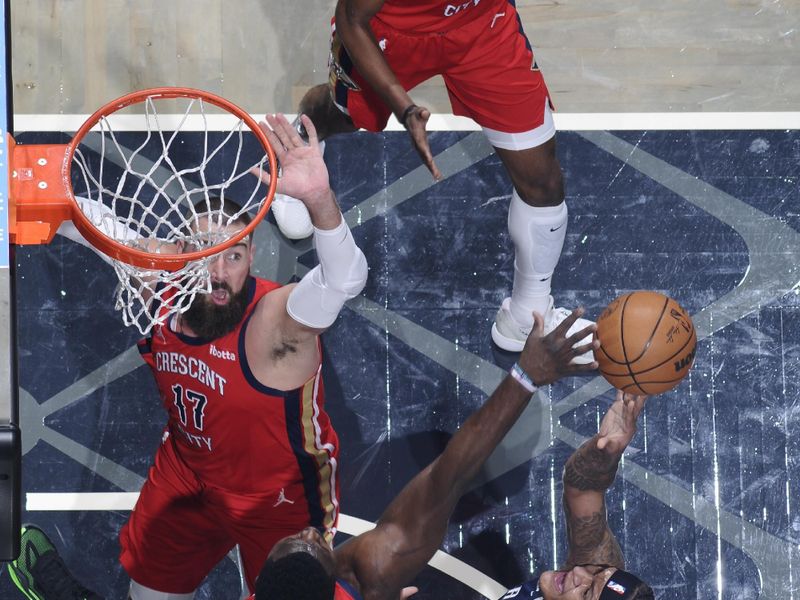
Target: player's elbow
318, 298
356, 279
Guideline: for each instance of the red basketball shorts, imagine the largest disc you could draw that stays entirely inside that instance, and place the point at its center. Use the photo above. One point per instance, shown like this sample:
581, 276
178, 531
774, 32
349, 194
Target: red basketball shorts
488, 67
181, 528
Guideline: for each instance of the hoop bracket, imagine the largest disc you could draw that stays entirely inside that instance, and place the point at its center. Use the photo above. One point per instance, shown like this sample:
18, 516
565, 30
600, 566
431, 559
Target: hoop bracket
39, 193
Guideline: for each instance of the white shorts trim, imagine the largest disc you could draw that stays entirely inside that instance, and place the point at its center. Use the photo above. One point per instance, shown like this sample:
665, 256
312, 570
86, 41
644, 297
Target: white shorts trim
142, 592
526, 139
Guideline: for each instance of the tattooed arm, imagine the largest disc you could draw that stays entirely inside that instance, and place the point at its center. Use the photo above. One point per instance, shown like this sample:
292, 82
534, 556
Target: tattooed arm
589, 472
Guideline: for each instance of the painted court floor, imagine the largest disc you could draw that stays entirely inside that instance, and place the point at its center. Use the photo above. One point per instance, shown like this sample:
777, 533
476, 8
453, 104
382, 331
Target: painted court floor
706, 502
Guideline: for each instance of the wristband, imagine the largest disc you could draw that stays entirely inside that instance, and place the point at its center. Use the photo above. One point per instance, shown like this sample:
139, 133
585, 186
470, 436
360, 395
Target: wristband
523, 379
406, 113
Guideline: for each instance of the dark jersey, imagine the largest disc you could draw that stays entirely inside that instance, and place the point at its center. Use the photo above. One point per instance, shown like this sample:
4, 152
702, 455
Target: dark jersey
526, 591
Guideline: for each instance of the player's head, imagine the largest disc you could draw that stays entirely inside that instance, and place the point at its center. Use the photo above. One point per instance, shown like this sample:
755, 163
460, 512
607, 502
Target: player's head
215, 314
593, 582
298, 566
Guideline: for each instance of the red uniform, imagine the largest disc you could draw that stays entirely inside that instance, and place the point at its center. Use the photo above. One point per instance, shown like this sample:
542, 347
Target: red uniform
240, 462
477, 46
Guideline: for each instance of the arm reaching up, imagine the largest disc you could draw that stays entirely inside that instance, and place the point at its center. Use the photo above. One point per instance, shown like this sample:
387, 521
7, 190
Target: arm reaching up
589, 472
410, 530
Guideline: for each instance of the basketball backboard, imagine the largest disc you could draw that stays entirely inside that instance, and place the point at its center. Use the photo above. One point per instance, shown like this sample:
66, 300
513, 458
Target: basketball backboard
10, 454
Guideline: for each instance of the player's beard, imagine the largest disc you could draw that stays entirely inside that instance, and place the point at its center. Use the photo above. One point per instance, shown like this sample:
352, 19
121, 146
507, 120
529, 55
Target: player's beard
210, 321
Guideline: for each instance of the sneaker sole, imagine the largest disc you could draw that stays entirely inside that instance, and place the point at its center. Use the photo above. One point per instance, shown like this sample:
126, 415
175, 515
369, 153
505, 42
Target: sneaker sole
22, 587
506, 343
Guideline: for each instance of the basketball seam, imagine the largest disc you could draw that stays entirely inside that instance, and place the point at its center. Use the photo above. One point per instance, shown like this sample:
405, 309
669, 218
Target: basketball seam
622, 339
661, 364
649, 341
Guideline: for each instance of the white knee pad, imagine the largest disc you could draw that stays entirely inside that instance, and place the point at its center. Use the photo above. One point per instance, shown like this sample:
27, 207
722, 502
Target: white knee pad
538, 234
339, 276
141, 592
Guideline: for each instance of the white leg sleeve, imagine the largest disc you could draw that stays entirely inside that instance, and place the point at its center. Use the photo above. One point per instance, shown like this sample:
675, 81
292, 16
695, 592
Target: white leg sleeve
538, 234
340, 275
140, 592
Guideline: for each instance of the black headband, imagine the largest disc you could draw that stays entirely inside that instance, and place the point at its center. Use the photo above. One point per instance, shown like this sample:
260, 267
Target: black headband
620, 586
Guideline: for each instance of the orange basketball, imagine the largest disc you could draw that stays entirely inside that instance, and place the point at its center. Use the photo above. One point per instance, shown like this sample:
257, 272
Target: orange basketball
647, 343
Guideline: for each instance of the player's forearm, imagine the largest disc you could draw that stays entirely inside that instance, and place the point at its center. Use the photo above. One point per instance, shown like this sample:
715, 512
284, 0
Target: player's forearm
589, 472
417, 518
368, 58
590, 469
323, 209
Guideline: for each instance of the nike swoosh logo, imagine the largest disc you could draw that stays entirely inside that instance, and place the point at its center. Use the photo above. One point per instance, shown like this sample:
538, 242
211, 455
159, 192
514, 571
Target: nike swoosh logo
557, 228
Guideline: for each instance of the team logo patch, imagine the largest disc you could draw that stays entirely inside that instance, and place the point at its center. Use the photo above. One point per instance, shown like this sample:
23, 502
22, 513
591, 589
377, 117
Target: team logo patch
223, 354
615, 587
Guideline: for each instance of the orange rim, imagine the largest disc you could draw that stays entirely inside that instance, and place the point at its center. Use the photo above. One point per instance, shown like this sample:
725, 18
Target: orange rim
141, 258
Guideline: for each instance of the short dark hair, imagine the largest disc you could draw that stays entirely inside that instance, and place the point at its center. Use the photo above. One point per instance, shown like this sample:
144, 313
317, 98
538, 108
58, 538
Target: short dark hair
296, 576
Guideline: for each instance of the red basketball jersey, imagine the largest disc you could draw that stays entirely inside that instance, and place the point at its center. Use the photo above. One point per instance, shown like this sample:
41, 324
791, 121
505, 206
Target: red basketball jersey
235, 432
429, 16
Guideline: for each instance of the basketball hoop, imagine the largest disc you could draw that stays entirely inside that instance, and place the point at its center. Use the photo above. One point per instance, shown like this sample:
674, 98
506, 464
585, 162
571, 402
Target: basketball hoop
137, 180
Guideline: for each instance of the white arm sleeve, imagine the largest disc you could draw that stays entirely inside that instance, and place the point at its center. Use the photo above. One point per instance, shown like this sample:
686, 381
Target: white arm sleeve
104, 219
340, 275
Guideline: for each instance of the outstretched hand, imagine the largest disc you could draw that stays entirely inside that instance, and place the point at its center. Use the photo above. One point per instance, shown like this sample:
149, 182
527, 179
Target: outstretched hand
619, 424
303, 172
416, 120
547, 358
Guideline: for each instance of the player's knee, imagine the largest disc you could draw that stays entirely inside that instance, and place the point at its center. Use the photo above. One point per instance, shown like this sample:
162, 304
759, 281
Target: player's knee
318, 105
315, 99
544, 188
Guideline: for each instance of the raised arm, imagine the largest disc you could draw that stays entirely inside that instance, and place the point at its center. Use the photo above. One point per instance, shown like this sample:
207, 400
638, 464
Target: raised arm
413, 526
353, 26
589, 472
304, 310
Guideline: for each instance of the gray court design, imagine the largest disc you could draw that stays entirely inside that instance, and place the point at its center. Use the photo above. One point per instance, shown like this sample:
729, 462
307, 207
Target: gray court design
774, 254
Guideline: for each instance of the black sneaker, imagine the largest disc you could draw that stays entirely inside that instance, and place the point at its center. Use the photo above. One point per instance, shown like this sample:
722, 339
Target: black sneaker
39, 572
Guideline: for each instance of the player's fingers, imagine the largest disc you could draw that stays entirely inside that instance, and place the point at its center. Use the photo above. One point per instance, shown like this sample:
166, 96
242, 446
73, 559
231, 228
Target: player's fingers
424, 151
538, 325
584, 348
260, 173
575, 368
579, 336
635, 404
437, 174
284, 131
272, 138
564, 326
313, 140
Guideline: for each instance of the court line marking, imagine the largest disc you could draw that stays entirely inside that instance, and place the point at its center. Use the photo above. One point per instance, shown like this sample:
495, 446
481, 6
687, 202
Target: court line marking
124, 501
446, 122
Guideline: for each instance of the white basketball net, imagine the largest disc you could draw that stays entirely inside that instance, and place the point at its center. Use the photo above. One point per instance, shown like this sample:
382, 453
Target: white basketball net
139, 186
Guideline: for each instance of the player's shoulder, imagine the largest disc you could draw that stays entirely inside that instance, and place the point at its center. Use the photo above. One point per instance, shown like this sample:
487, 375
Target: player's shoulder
264, 285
